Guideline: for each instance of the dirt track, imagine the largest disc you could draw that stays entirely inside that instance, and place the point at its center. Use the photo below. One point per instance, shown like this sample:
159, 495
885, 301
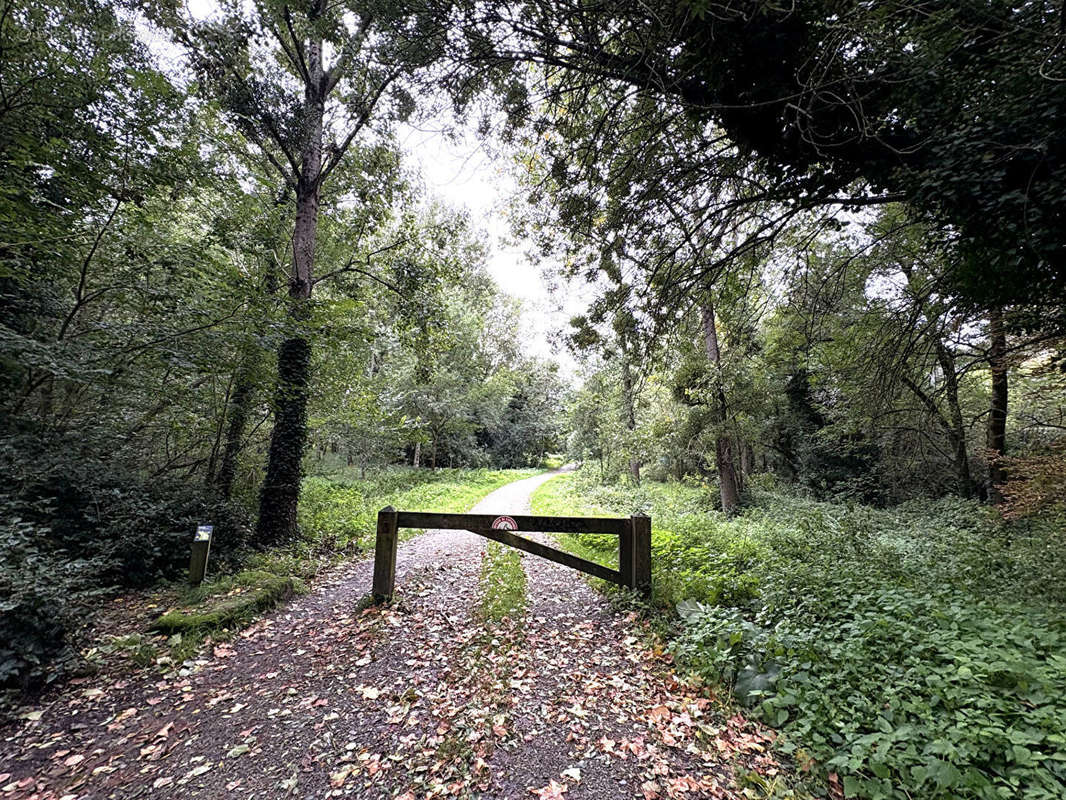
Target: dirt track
419, 699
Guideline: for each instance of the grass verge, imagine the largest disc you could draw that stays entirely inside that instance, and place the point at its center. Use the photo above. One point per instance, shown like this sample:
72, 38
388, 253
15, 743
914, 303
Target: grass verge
503, 585
338, 511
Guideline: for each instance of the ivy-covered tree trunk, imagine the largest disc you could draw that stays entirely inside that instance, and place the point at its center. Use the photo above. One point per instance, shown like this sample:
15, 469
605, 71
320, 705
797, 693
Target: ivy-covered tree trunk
996, 441
239, 410
281, 486
724, 459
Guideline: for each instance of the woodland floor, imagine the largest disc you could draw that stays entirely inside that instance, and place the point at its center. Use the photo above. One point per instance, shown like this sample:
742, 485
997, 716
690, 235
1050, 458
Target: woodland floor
321, 698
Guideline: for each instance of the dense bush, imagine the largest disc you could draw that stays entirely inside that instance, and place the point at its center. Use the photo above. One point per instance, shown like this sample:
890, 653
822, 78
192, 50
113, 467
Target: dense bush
918, 651
76, 528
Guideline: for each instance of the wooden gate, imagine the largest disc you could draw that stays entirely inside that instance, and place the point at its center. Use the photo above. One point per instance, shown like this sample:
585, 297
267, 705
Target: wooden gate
634, 542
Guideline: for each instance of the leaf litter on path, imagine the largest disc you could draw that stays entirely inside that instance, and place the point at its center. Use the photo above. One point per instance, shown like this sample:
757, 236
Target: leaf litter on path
418, 699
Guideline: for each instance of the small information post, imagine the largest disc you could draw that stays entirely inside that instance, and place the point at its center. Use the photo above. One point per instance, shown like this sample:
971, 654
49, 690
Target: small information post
201, 546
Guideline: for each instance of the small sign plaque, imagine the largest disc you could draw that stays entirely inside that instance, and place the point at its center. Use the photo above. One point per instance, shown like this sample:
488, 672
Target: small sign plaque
201, 546
504, 524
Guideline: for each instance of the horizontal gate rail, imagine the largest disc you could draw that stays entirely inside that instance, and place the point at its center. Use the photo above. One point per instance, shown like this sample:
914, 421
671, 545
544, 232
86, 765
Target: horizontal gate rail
420, 519
634, 542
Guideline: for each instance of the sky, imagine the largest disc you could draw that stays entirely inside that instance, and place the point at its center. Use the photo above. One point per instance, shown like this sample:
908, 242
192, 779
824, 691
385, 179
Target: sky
464, 173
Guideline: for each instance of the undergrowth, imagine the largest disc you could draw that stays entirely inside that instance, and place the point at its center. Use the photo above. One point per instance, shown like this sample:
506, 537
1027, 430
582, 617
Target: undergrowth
917, 651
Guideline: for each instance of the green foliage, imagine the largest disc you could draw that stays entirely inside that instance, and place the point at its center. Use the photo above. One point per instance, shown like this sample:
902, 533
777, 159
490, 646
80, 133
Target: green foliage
934, 101
552, 461
339, 511
74, 531
916, 651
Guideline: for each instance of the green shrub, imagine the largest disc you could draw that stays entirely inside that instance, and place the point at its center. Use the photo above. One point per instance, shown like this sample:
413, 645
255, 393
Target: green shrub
34, 611
73, 529
918, 651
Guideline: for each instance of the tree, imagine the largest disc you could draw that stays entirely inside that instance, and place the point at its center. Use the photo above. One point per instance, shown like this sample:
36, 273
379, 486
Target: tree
303, 114
724, 455
955, 108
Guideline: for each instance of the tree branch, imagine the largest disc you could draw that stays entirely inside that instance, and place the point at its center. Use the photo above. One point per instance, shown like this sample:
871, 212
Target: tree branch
351, 267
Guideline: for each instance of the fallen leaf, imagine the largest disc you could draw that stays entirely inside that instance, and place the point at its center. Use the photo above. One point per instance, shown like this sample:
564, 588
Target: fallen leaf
337, 779
659, 714
289, 784
553, 791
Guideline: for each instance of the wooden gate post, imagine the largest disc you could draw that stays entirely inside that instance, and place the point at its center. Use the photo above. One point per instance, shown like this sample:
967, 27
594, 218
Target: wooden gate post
625, 554
641, 569
385, 555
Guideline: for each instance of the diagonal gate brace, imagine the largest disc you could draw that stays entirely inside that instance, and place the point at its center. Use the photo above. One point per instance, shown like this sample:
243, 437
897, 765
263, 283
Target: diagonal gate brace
634, 542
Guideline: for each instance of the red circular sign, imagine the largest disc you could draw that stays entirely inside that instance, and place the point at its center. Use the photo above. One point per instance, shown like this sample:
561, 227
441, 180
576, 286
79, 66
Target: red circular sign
504, 524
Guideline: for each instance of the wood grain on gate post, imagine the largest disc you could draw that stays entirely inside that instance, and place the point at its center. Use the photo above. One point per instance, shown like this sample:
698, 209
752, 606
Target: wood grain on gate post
385, 555
641, 526
625, 554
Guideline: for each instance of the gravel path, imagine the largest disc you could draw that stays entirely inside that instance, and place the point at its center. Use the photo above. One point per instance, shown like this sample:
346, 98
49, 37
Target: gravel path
419, 699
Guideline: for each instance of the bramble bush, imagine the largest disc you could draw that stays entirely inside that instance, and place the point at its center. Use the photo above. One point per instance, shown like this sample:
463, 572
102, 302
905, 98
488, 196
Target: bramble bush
917, 651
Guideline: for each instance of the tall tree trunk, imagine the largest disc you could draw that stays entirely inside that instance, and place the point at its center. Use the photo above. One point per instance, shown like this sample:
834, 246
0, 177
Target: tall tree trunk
747, 462
996, 441
417, 457
723, 455
956, 429
281, 486
216, 445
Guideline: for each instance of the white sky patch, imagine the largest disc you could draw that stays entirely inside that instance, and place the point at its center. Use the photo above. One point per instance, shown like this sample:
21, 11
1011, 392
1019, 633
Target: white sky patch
465, 174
